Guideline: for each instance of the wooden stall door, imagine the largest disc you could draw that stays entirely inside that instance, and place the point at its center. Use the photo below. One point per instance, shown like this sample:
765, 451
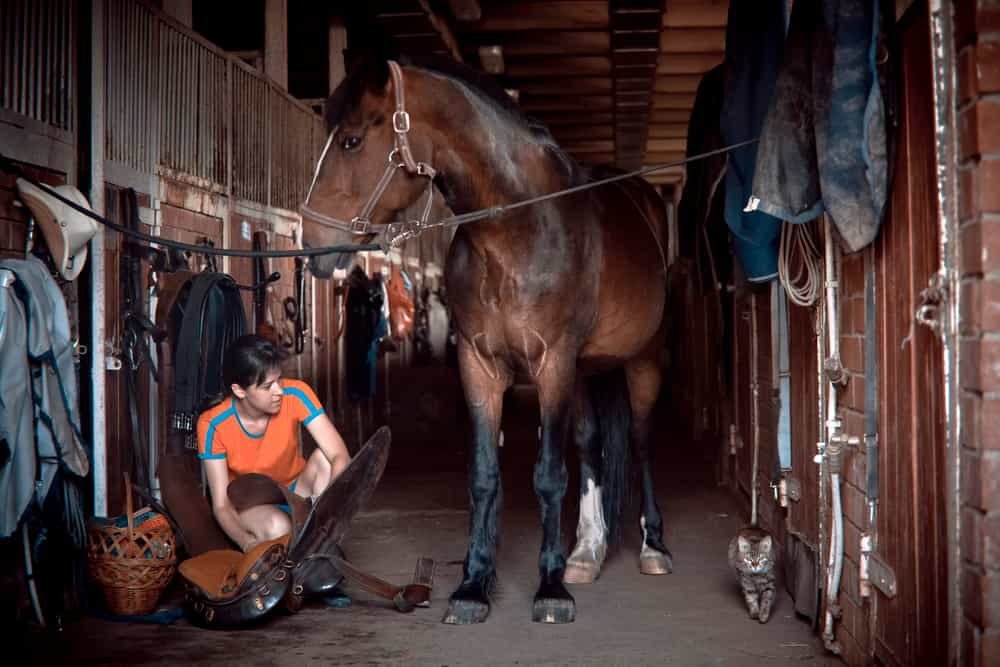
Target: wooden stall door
911, 628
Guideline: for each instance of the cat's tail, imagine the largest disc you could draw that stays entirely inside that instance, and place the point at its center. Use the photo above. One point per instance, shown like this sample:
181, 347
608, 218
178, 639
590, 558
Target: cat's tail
613, 417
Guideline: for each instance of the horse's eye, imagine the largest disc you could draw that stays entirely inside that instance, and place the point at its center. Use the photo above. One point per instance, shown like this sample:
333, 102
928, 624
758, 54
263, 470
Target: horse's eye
350, 143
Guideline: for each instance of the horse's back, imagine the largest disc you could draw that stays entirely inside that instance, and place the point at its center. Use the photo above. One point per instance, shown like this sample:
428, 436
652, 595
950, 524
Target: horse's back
632, 288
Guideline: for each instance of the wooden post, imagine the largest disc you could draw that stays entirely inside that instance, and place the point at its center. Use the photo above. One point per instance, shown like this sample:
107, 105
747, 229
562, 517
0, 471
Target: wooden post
180, 10
276, 41
337, 46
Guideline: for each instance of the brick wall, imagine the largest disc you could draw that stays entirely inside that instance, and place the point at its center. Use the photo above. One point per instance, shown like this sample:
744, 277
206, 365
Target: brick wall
977, 39
853, 630
14, 219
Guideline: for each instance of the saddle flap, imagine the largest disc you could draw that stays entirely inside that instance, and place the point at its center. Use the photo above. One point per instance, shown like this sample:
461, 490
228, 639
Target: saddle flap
220, 574
213, 572
333, 510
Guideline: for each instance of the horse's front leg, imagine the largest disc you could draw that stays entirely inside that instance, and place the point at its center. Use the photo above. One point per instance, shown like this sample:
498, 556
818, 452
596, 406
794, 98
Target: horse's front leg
556, 382
484, 383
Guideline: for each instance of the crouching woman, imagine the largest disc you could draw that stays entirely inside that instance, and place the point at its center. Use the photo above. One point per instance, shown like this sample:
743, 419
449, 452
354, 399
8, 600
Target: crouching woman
255, 429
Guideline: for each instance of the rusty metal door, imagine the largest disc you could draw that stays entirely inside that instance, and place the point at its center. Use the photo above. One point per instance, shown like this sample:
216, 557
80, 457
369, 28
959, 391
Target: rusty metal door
911, 626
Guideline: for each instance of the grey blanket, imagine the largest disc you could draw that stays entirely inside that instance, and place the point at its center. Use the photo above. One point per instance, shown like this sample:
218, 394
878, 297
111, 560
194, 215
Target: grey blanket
39, 420
823, 144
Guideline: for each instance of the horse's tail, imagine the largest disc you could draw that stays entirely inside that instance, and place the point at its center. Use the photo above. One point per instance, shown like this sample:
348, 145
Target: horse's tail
613, 417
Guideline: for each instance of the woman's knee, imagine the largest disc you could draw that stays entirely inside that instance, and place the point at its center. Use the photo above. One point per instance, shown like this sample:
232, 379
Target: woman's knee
275, 525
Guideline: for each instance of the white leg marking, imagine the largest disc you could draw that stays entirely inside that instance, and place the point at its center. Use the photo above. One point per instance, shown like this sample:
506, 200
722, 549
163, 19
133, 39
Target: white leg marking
591, 531
652, 561
647, 551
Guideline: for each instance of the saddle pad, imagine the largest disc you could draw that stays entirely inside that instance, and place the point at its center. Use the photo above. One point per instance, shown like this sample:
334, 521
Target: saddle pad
219, 572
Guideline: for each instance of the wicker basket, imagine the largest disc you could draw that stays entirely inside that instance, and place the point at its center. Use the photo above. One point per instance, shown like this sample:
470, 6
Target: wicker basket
134, 563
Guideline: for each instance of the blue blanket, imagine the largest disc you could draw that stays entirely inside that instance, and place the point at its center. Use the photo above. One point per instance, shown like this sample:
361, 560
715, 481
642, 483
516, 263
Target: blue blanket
754, 43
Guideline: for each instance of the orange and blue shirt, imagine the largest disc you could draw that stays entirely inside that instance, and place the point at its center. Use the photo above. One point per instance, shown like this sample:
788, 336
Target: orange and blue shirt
275, 452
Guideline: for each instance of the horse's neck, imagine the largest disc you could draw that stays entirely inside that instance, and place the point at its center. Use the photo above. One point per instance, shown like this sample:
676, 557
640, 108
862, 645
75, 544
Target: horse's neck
485, 158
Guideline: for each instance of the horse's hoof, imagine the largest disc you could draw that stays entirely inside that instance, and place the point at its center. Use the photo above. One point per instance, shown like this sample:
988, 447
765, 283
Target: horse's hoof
654, 562
580, 573
466, 612
553, 610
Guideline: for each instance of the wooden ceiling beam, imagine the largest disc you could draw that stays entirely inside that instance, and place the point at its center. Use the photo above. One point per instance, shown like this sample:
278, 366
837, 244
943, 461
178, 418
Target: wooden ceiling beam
644, 60
665, 145
580, 85
561, 118
442, 27
665, 177
670, 116
635, 21
671, 131
595, 158
636, 5
524, 15
673, 101
583, 132
664, 157
635, 27
633, 83
597, 146
561, 67
646, 40
465, 10
566, 103
695, 14
565, 43
687, 63
692, 40
676, 83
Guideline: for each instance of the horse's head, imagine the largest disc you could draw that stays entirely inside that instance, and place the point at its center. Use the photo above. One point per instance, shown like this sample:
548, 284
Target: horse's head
369, 168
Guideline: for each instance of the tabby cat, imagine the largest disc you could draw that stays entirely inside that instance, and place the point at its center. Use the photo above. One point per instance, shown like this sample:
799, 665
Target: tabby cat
753, 556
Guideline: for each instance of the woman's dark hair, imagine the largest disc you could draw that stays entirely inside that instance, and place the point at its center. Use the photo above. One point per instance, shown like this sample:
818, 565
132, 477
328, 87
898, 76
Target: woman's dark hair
248, 360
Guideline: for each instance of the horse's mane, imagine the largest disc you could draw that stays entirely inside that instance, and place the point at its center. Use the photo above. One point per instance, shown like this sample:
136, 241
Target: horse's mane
371, 73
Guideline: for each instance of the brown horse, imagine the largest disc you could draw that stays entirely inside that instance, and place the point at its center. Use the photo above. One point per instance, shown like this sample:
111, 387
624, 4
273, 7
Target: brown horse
560, 291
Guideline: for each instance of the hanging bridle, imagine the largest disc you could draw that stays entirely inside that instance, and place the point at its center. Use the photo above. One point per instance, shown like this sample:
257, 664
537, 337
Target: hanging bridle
400, 157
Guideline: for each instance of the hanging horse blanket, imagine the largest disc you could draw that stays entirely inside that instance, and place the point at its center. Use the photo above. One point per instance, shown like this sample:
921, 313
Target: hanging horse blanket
39, 418
702, 232
754, 39
823, 145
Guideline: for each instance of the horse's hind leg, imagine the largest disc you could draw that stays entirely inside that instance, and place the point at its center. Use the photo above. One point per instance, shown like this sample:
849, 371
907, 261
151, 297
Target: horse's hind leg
484, 388
553, 603
644, 379
584, 564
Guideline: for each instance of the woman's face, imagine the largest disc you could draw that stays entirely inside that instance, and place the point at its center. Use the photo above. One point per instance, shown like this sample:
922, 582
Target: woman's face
265, 396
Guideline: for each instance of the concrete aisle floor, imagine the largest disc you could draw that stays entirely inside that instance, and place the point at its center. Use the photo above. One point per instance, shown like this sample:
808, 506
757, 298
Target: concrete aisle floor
694, 616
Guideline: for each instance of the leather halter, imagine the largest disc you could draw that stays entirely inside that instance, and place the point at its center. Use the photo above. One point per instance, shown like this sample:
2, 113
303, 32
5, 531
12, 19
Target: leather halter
400, 157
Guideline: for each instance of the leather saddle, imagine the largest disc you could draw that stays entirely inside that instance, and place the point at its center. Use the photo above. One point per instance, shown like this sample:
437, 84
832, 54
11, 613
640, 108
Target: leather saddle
227, 588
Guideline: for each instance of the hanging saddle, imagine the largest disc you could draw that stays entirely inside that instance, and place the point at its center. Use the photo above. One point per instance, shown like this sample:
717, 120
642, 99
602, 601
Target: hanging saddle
226, 588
